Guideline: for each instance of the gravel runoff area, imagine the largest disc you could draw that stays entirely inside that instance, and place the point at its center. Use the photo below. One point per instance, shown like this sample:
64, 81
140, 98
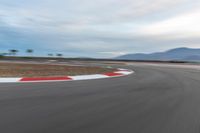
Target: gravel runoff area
45, 70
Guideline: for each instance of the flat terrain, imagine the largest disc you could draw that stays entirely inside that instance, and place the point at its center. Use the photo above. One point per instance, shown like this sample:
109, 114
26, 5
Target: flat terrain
155, 99
42, 70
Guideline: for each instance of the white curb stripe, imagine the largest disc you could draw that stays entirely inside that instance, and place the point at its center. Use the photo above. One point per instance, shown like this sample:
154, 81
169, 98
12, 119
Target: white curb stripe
124, 72
86, 77
9, 80
121, 72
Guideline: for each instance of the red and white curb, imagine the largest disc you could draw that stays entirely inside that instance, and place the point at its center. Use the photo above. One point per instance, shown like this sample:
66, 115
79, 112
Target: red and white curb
118, 73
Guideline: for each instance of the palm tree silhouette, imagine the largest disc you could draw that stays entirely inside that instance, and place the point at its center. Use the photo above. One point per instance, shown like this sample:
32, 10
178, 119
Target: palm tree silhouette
13, 52
29, 51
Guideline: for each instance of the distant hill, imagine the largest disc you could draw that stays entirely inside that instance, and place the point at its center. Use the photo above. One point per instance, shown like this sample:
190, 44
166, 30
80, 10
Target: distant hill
178, 54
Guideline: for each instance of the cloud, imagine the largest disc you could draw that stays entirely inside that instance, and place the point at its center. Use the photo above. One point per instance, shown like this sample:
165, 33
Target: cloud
113, 53
181, 26
98, 28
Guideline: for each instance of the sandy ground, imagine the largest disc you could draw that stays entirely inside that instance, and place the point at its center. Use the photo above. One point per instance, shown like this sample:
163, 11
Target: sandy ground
31, 70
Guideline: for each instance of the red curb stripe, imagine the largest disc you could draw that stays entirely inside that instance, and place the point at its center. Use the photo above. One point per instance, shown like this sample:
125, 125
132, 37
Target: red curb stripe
112, 74
44, 78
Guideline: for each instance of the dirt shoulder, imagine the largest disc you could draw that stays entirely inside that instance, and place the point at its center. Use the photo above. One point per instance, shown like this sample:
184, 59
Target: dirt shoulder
45, 70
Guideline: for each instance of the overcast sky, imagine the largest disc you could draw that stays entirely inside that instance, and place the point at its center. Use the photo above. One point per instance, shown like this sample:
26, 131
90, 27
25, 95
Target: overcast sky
99, 28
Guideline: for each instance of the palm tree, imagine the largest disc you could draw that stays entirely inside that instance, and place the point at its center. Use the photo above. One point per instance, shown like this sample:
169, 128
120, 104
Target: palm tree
13, 52
50, 55
5, 54
29, 51
59, 55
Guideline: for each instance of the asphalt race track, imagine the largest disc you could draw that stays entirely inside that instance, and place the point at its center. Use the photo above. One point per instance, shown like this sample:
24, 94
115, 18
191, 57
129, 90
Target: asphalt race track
153, 100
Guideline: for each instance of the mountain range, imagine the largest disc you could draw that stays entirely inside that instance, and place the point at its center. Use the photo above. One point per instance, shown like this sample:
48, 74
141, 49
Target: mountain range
177, 54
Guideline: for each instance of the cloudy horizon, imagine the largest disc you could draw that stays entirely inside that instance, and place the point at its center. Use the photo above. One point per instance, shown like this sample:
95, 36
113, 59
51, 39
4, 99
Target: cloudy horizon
98, 28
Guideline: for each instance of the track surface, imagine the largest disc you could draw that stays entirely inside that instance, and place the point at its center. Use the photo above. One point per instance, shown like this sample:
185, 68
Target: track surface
153, 100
